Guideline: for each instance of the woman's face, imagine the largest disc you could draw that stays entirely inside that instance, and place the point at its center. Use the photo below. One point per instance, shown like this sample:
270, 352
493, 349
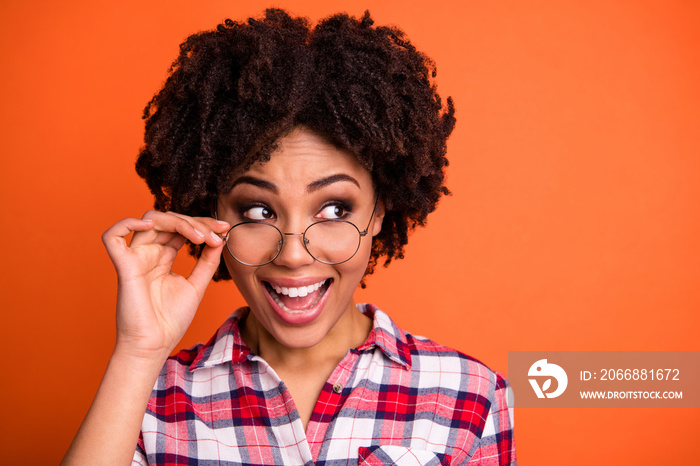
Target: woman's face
297, 299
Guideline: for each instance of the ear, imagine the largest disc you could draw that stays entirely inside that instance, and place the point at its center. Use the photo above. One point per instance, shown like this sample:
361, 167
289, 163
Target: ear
378, 218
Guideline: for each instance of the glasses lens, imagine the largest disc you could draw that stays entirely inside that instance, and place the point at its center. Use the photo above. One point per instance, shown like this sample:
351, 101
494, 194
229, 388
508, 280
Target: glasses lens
254, 243
332, 241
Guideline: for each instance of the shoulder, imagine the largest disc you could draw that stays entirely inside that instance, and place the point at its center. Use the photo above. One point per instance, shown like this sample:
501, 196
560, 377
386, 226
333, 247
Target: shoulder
432, 363
450, 368
203, 361
475, 388
181, 362
461, 392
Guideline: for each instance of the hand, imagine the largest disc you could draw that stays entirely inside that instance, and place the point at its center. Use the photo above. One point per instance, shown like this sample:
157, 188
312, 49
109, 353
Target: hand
155, 306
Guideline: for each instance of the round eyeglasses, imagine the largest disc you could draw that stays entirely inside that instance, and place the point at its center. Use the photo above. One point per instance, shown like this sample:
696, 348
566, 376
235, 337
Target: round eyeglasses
328, 241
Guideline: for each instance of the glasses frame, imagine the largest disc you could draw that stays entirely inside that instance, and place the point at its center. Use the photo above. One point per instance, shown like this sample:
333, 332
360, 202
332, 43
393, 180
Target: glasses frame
305, 241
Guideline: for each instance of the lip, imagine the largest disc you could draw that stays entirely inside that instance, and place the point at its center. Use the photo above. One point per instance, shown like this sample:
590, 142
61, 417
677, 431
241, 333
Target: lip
297, 318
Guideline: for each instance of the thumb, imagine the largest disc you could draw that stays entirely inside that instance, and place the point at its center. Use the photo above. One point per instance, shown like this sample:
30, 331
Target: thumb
204, 269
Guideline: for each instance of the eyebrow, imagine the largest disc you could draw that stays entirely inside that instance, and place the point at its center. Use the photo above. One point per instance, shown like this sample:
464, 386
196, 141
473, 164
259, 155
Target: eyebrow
256, 182
323, 182
313, 186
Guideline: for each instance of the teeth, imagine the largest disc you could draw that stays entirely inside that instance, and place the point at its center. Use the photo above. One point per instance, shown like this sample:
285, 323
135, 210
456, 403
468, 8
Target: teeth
298, 291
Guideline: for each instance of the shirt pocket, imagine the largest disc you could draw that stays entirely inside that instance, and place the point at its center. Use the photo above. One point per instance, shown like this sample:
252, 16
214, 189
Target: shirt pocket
385, 455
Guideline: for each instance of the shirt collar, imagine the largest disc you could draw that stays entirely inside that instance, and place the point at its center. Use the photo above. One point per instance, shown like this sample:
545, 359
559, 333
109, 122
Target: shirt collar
228, 346
386, 335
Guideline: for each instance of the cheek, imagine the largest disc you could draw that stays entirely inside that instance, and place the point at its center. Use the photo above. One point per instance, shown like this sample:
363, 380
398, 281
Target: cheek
356, 267
231, 265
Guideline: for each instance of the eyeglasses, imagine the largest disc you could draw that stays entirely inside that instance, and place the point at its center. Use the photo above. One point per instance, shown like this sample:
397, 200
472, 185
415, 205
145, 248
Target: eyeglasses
328, 241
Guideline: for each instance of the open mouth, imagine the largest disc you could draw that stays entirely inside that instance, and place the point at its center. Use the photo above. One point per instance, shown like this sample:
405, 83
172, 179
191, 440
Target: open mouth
298, 299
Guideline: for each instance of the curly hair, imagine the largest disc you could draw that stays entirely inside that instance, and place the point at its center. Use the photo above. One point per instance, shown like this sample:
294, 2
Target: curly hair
234, 91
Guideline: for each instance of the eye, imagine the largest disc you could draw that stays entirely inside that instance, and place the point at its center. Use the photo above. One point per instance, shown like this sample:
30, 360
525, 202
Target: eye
258, 213
334, 211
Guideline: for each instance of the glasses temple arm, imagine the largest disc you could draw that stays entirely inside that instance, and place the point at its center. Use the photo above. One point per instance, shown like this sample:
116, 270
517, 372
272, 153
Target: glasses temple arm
374, 209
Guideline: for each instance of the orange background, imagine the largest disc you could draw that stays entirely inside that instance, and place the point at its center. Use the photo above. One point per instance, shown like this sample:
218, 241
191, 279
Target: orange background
574, 223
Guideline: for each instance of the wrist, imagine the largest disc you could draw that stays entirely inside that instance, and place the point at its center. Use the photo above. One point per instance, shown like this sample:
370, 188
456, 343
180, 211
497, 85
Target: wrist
139, 359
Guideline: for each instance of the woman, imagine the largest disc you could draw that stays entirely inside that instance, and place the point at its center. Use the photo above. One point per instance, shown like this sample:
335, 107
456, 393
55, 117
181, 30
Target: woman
301, 156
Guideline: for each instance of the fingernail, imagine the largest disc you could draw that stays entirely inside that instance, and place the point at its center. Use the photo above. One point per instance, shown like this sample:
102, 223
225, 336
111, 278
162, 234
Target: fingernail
216, 237
199, 233
221, 222
147, 219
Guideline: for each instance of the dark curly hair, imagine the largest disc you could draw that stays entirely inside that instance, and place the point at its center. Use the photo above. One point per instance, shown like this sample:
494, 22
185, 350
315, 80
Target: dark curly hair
233, 92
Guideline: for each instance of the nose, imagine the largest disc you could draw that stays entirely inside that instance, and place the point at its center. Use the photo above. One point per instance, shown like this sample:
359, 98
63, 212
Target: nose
293, 254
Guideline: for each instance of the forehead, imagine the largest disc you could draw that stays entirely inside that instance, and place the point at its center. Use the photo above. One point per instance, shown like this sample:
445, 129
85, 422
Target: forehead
302, 140
303, 154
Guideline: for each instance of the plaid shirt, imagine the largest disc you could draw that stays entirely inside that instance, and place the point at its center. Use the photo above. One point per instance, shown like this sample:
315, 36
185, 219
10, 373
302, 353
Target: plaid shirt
397, 399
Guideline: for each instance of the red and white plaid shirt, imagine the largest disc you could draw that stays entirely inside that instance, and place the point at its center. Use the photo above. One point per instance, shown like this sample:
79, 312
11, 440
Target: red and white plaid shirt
397, 399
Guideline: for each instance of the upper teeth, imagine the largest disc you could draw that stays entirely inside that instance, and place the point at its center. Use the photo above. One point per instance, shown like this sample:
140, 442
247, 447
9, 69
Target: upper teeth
300, 291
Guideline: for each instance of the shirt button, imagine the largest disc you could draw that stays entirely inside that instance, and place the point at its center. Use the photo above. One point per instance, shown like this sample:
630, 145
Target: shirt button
337, 388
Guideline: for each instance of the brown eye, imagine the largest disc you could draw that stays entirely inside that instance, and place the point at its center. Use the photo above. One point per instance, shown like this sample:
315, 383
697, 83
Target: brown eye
333, 212
259, 213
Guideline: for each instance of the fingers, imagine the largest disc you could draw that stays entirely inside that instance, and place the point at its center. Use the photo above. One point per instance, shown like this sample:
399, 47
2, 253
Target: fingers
114, 238
211, 229
168, 232
217, 225
168, 225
